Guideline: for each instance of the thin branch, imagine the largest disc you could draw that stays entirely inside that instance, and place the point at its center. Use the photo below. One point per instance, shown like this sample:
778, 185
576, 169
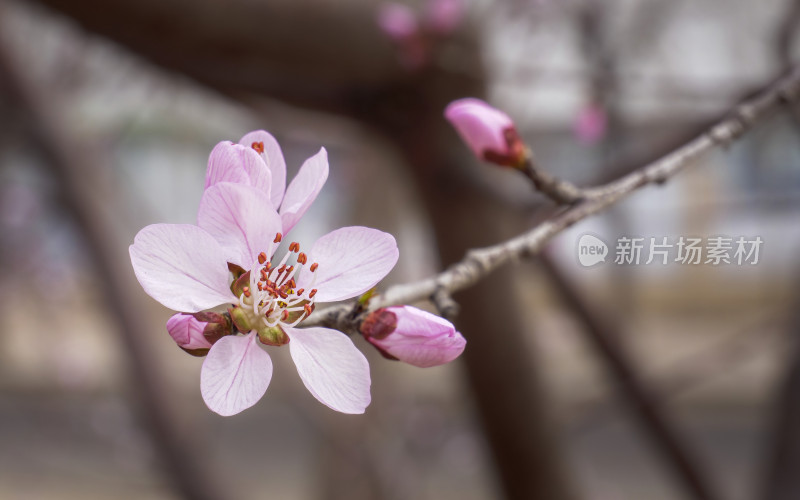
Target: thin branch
480, 262
558, 190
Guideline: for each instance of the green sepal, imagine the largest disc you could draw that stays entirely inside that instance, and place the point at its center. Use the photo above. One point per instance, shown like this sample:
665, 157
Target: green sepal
240, 319
273, 336
366, 296
239, 284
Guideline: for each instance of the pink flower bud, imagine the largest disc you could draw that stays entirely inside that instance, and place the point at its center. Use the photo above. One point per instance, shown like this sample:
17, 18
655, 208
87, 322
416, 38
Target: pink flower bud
187, 332
489, 132
413, 336
397, 21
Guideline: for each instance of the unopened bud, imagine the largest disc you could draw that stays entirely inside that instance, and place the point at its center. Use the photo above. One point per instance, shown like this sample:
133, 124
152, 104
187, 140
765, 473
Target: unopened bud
217, 325
413, 336
489, 132
379, 324
187, 332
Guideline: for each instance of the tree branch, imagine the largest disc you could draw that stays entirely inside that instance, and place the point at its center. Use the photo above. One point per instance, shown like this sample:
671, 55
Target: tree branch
480, 262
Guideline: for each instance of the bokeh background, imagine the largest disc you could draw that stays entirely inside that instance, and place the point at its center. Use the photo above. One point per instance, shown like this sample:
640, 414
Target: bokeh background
605, 383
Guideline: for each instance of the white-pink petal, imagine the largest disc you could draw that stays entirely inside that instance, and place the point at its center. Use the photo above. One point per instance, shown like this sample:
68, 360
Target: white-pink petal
351, 261
273, 158
304, 189
235, 374
331, 367
182, 266
230, 162
242, 220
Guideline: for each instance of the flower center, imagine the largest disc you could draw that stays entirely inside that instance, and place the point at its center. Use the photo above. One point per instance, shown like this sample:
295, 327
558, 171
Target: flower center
273, 298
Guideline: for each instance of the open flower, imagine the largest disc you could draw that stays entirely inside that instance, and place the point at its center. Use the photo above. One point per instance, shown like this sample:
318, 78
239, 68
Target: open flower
489, 132
192, 268
258, 161
413, 336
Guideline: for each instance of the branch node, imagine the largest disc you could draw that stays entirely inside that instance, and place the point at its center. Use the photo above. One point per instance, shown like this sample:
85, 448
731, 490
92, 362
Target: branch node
444, 303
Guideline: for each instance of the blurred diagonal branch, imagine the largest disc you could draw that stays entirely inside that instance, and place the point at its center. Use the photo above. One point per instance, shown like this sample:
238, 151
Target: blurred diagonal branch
780, 480
71, 166
647, 407
478, 263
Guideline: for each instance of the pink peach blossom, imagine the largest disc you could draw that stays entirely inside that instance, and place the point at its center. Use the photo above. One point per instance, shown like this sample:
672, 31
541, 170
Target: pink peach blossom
186, 268
413, 336
258, 161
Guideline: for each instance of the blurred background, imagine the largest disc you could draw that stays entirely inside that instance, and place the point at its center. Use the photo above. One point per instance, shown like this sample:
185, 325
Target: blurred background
612, 382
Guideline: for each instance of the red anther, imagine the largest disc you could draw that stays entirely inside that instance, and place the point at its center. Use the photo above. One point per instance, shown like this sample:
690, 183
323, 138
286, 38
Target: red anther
283, 294
264, 276
289, 269
262, 257
278, 238
308, 308
246, 291
302, 259
268, 266
291, 284
260, 286
294, 247
312, 293
300, 292
314, 266
269, 311
258, 146
284, 315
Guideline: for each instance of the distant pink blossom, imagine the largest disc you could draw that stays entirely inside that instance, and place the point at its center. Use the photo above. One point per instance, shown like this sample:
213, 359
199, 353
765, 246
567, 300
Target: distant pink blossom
186, 268
402, 26
444, 16
489, 132
398, 21
257, 160
591, 124
413, 336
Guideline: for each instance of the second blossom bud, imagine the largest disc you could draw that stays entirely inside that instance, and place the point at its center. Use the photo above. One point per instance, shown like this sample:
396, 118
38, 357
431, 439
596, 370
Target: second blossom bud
196, 333
489, 132
413, 336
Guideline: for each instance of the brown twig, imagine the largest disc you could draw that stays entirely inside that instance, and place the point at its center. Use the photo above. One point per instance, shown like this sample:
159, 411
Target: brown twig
558, 190
480, 262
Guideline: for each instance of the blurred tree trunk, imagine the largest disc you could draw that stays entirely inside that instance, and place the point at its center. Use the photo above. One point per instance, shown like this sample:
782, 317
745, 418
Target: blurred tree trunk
332, 57
500, 366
